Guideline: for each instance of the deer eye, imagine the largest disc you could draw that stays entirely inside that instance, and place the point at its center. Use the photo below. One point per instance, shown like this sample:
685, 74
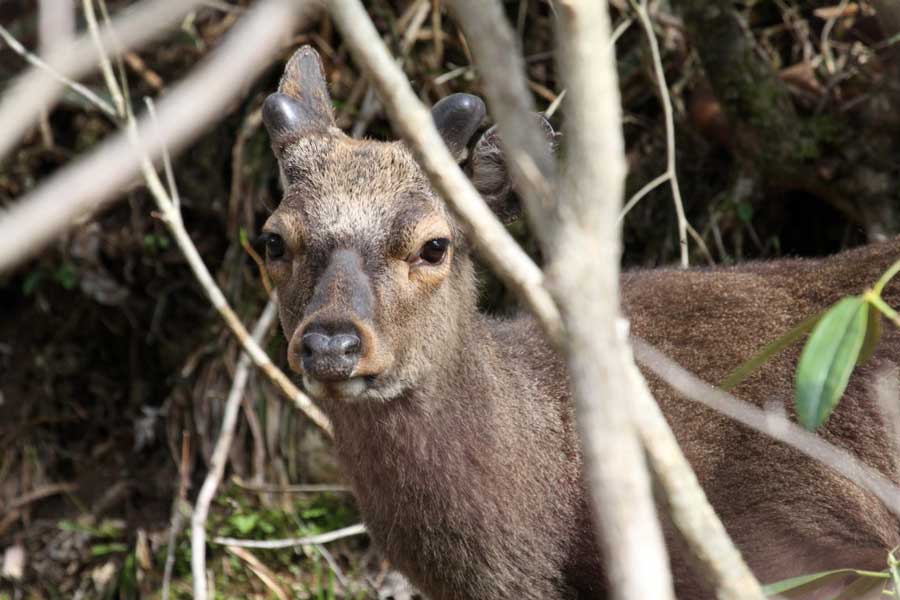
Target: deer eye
433, 251
274, 245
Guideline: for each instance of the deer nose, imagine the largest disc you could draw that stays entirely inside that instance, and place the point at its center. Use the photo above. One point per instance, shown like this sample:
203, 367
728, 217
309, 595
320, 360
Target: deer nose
330, 355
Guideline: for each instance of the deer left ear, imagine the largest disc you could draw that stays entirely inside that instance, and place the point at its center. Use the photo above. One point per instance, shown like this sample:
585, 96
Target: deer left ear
302, 103
457, 117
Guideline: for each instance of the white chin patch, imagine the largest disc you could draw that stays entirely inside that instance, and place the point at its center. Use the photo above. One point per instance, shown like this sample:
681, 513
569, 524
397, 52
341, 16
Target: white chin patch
351, 389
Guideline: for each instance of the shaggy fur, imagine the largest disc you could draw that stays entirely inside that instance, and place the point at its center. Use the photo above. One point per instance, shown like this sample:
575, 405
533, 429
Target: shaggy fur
456, 430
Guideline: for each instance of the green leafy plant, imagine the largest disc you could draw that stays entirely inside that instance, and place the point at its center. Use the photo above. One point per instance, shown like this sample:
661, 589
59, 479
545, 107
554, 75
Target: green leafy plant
844, 336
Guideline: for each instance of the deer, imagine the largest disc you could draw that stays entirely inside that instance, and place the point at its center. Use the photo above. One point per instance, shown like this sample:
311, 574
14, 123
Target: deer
456, 428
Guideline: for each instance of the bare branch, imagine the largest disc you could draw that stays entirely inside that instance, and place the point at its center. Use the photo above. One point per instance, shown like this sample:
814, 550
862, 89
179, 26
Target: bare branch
35, 92
493, 43
413, 121
200, 100
773, 425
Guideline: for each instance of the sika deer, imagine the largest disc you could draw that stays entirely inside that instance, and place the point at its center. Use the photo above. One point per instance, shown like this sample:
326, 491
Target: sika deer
456, 428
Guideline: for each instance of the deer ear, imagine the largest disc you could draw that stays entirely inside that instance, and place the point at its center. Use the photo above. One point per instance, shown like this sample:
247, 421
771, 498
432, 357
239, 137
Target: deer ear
491, 177
302, 103
457, 117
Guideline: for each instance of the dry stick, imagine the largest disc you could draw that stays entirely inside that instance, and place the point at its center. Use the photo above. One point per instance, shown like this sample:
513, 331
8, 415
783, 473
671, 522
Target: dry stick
584, 270
86, 185
22, 104
493, 44
322, 538
772, 424
105, 64
413, 121
260, 570
220, 456
308, 488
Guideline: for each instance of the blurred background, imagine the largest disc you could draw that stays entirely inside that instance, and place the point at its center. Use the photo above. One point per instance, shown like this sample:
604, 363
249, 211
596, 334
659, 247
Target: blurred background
114, 367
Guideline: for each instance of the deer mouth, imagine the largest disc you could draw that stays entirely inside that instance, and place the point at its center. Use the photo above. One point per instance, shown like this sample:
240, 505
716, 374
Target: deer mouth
358, 388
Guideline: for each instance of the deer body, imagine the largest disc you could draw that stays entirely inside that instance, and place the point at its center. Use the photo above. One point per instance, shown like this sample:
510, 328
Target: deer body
456, 429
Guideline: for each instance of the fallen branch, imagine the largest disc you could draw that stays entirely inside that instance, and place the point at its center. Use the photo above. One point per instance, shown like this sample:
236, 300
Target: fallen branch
322, 538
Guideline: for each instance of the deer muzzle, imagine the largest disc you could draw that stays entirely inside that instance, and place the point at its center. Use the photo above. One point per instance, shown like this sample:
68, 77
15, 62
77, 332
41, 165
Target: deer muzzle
336, 343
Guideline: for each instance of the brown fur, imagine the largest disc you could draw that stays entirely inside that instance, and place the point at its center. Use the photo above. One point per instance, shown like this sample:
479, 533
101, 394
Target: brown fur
459, 443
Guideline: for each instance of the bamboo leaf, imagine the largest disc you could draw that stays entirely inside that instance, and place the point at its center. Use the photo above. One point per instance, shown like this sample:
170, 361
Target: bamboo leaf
747, 368
828, 360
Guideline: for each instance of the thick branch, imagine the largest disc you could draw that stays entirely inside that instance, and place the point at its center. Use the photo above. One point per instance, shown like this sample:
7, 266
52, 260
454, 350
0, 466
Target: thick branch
585, 252
199, 101
37, 91
412, 120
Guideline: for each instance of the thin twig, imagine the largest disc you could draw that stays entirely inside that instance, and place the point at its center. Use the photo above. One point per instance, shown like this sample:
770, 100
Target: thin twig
322, 538
774, 425
260, 570
39, 494
105, 64
88, 95
671, 172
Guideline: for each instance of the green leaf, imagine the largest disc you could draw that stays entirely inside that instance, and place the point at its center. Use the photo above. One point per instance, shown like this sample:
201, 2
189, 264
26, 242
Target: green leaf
747, 368
244, 523
873, 335
807, 583
828, 360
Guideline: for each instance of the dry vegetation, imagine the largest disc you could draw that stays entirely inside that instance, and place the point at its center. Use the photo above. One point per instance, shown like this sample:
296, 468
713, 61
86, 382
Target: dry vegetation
114, 368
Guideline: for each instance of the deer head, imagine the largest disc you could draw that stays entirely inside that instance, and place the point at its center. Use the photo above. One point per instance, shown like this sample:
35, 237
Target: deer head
372, 270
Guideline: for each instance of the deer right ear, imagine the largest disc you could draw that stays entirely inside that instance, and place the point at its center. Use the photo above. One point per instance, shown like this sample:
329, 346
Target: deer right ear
457, 117
491, 177
302, 103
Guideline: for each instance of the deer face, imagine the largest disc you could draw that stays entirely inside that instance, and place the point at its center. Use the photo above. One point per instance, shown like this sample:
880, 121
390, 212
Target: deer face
371, 269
